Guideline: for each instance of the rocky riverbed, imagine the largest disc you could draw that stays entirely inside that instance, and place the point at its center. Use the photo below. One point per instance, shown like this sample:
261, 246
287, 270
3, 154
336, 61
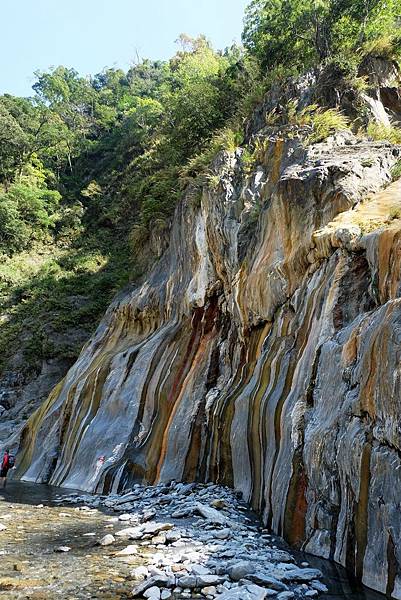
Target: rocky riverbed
177, 541
169, 541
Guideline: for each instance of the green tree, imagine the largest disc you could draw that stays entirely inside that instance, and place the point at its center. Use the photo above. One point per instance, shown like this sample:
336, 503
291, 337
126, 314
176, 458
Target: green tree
14, 144
303, 32
26, 213
193, 108
71, 99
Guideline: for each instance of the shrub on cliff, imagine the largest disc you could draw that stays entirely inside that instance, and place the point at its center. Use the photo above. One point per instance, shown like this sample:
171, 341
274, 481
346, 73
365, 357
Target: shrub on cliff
396, 170
389, 133
325, 123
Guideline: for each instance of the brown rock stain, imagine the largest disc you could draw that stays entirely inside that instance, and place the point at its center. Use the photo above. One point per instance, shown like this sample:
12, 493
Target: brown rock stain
350, 349
277, 159
296, 505
195, 360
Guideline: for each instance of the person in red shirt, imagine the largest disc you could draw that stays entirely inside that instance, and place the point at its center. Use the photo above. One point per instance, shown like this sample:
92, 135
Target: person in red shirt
5, 466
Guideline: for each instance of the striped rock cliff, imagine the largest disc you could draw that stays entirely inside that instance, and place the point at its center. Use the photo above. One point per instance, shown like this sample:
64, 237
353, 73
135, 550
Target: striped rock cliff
263, 352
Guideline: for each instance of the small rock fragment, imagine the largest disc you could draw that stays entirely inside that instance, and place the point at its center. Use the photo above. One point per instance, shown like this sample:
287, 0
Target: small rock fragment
155, 581
107, 540
128, 551
140, 573
211, 514
319, 586
219, 504
285, 595
267, 581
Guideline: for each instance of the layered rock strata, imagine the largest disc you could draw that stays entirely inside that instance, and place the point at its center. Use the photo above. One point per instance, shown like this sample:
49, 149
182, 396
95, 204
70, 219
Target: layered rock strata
262, 352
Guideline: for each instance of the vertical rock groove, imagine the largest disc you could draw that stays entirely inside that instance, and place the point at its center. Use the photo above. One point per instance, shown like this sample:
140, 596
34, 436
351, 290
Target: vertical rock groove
266, 357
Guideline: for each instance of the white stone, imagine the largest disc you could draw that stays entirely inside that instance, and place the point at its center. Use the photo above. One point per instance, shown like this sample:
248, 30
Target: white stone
107, 540
200, 570
62, 549
152, 593
210, 590
139, 573
128, 551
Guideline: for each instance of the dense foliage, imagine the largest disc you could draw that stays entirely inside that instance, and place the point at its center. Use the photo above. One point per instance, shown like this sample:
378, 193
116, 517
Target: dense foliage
114, 144
300, 33
87, 161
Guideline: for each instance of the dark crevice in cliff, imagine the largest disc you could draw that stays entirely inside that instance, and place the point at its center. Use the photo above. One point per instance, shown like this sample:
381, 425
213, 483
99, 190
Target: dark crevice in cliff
131, 360
393, 567
387, 444
195, 464
159, 439
335, 511
354, 296
312, 382
277, 432
361, 509
296, 506
221, 469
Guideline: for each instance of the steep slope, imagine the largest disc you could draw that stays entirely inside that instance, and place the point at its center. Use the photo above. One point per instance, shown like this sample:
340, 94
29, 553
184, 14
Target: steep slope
52, 297
262, 352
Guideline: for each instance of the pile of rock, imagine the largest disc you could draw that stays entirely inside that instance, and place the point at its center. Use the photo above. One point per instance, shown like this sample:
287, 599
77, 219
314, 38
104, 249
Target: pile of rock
200, 541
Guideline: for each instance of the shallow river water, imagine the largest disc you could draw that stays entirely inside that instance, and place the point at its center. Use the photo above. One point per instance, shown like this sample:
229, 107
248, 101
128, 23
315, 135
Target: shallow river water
37, 524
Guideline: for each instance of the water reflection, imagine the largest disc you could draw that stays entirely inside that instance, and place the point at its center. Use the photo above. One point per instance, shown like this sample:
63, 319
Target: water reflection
340, 583
34, 493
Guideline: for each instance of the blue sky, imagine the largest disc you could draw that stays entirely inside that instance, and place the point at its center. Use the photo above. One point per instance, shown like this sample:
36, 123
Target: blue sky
92, 34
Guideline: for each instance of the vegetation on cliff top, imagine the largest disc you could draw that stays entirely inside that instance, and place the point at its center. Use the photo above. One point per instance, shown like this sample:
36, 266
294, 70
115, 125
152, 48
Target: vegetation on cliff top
88, 161
303, 33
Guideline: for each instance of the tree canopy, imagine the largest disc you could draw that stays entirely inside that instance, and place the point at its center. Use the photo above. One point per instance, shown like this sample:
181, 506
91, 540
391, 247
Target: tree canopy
303, 32
129, 132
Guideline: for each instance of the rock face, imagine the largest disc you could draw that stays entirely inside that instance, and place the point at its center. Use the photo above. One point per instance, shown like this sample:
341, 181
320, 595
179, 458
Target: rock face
22, 391
262, 352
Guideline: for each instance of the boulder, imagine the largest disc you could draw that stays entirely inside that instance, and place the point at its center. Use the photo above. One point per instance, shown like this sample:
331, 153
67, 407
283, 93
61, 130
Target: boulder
241, 569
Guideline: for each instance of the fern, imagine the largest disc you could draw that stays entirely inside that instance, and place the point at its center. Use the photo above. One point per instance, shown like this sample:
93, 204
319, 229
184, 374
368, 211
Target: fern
226, 139
389, 133
396, 170
325, 123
